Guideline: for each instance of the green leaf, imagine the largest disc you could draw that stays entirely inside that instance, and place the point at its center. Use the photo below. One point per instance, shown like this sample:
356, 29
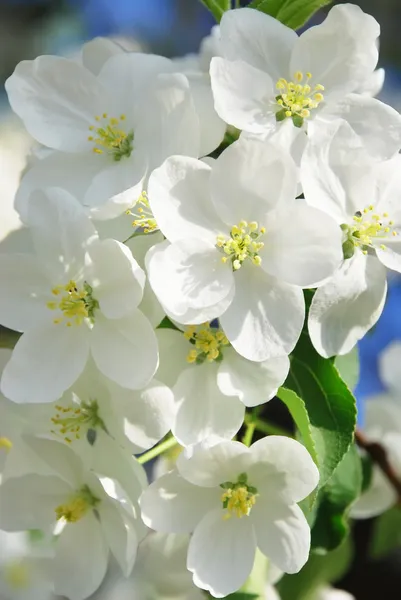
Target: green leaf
293, 13
331, 524
166, 324
348, 367
329, 404
8, 337
297, 409
217, 7
320, 569
386, 533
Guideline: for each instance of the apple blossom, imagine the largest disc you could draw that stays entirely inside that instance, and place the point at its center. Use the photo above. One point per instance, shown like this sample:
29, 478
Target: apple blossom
271, 82
361, 194
211, 383
235, 499
77, 296
239, 246
93, 515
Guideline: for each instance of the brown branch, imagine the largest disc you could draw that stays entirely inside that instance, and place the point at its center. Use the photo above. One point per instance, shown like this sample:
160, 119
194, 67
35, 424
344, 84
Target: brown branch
378, 454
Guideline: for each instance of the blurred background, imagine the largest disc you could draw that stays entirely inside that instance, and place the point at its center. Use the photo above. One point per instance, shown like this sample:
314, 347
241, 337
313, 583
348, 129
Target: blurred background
174, 28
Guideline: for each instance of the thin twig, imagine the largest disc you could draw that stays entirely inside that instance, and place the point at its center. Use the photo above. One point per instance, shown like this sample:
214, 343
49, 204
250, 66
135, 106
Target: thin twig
378, 454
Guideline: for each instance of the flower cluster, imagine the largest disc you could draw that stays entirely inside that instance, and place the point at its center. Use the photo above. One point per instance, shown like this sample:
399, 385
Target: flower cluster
161, 289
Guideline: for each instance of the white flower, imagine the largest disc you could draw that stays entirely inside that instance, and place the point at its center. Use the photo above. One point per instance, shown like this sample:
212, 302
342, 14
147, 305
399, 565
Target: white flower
76, 297
327, 592
235, 499
94, 517
211, 383
382, 425
108, 129
363, 197
23, 568
160, 572
270, 82
239, 246
196, 69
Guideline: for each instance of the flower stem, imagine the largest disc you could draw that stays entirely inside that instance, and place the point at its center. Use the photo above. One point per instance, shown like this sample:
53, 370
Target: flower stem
250, 429
265, 427
157, 450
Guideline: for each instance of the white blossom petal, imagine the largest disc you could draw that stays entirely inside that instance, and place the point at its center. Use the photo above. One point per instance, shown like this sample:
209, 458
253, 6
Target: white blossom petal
125, 350
346, 307
283, 535
45, 362
243, 95
173, 505
221, 553
265, 317
201, 409
82, 550
253, 383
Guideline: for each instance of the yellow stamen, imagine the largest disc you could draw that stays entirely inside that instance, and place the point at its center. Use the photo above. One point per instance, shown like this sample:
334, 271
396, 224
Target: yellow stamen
111, 138
208, 343
295, 100
242, 244
6, 443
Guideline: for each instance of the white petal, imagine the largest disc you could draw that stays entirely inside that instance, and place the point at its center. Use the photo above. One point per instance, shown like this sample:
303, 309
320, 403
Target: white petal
379, 497
341, 52
23, 299
212, 127
243, 95
194, 273
288, 462
171, 504
258, 39
58, 100
265, 317
283, 534
303, 246
251, 178
173, 351
373, 85
377, 123
161, 263
45, 362
97, 52
147, 415
179, 195
119, 534
211, 466
125, 350
202, 410
29, 502
221, 553
389, 361
61, 233
346, 307
82, 550
390, 257
116, 187
253, 383
336, 170
115, 277
73, 172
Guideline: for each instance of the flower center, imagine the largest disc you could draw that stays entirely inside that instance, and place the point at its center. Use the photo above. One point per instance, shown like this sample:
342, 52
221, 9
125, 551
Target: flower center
242, 244
70, 420
143, 216
296, 100
238, 498
76, 304
366, 230
208, 343
17, 575
6, 444
108, 136
77, 506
